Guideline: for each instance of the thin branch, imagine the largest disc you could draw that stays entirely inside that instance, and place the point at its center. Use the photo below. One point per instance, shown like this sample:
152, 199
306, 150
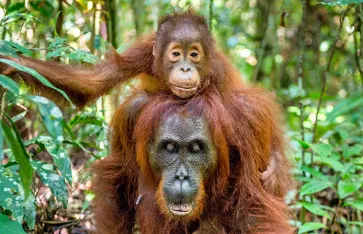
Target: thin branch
325, 77
2, 103
210, 15
262, 48
356, 56
300, 85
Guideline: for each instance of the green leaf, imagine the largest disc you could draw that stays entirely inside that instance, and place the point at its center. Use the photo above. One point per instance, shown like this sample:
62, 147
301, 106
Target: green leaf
1, 142
356, 223
52, 180
61, 160
7, 50
30, 211
315, 173
20, 48
10, 227
312, 226
10, 198
315, 209
314, 186
347, 188
9, 84
341, 2
333, 163
84, 56
303, 144
57, 53
20, 154
35, 74
85, 119
52, 117
19, 116
345, 106
59, 155
323, 150
349, 151
356, 204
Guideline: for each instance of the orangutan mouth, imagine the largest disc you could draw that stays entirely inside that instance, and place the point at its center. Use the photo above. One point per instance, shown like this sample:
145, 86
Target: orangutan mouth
180, 209
183, 92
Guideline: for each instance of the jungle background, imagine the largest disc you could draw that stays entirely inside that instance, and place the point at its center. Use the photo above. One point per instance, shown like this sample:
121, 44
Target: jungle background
308, 52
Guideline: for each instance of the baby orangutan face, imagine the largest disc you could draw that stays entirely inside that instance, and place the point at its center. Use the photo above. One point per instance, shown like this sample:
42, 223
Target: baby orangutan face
180, 50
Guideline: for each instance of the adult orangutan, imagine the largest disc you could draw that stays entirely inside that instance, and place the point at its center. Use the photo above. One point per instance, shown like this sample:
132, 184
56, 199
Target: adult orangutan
190, 166
180, 59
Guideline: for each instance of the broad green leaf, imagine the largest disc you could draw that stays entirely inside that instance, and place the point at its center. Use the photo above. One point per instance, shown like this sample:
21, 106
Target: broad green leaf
6, 49
333, 163
10, 197
61, 160
345, 106
85, 119
341, 2
315, 209
356, 204
347, 188
20, 48
59, 155
349, 151
356, 223
358, 160
35, 74
344, 134
52, 117
315, 173
10, 227
52, 180
58, 52
30, 211
84, 56
314, 186
20, 154
303, 144
312, 226
323, 150
9, 84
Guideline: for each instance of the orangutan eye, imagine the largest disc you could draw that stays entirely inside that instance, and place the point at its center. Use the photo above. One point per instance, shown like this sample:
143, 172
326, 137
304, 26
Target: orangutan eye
196, 147
176, 54
194, 54
171, 147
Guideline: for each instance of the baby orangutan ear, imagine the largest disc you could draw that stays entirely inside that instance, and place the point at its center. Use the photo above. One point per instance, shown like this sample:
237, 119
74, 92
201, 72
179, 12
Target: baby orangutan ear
154, 49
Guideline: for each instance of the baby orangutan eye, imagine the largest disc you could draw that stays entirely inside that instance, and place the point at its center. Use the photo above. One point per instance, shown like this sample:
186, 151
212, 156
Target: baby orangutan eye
194, 54
176, 54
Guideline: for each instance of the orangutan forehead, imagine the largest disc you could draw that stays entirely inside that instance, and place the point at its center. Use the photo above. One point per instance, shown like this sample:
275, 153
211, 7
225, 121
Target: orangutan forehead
185, 33
178, 126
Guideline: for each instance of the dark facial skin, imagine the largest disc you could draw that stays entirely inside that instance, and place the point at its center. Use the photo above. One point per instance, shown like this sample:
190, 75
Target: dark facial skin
183, 155
183, 58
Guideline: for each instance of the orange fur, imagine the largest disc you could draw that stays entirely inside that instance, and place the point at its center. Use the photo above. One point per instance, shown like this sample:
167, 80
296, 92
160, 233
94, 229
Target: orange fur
244, 195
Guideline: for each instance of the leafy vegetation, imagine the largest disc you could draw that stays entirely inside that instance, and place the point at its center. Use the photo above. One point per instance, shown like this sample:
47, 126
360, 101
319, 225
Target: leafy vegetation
308, 52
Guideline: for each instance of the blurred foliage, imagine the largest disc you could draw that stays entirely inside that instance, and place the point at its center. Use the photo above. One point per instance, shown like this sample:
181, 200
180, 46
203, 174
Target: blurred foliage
309, 52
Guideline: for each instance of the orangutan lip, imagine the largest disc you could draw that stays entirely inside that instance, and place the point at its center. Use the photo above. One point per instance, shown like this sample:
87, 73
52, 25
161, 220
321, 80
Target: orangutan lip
183, 92
180, 209
191, 89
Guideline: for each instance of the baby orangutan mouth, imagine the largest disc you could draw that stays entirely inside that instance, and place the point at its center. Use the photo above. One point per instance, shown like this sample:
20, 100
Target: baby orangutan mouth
183, 92
180, 209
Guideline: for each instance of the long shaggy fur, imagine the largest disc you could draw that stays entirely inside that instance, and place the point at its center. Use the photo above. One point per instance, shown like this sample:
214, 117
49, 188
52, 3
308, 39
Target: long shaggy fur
244, 195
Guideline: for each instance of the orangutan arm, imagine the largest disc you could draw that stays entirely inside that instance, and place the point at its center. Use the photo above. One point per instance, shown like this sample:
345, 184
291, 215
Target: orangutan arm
85, 84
